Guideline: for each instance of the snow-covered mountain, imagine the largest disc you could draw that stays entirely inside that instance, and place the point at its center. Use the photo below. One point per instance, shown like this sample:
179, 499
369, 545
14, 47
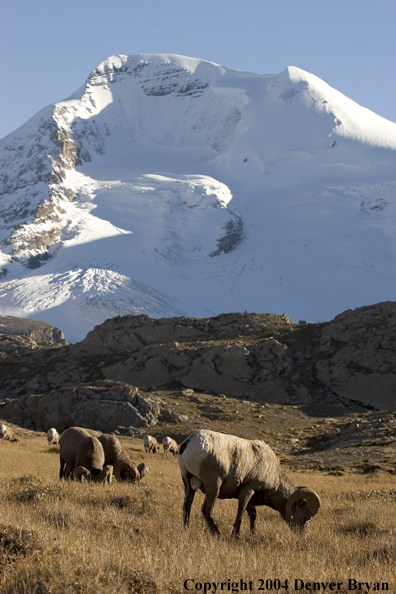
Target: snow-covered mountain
169, 186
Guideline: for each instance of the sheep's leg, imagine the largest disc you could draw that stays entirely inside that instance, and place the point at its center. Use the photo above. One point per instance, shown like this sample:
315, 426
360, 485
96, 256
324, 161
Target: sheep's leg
252, 513
211, 494
188, 499
62, 466
245, 495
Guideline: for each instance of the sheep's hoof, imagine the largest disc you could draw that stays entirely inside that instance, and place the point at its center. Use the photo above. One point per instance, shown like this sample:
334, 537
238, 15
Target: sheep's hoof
235, 534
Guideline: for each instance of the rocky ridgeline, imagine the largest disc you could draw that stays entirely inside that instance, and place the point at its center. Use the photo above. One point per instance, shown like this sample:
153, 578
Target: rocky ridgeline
18, 334
362, 365
107, 380
106, 406
230, 354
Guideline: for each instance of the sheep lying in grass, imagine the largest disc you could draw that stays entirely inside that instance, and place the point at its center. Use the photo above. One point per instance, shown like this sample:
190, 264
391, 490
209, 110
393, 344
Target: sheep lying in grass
80, 450
228, 467
52, 436
124, 469
151, 444
169, 445
7, 433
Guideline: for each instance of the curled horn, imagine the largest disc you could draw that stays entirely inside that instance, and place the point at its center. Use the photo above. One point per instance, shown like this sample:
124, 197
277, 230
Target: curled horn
301, 493
81, 474
126, 472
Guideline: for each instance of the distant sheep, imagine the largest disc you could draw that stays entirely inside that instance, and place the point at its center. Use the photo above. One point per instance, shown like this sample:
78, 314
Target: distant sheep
169, 445
228, 467
80, 450
116, 456
151, 444
7, 433
52, 436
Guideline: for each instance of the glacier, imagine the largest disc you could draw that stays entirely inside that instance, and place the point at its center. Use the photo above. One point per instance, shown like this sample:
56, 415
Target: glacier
169, 186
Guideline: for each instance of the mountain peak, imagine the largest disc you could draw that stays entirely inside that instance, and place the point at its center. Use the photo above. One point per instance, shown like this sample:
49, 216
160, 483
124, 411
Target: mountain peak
170, 185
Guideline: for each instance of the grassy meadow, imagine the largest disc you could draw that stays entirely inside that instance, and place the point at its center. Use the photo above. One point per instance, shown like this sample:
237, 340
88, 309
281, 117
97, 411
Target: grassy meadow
64, 537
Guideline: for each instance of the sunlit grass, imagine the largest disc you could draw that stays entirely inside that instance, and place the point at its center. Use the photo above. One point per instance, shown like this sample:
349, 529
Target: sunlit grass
64, 537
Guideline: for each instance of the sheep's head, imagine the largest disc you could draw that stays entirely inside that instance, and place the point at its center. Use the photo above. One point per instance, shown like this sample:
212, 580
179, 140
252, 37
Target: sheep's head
143, 469
301, 506
81, 474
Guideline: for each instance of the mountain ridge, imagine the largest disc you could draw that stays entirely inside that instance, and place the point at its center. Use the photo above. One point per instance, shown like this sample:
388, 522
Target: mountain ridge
166, 185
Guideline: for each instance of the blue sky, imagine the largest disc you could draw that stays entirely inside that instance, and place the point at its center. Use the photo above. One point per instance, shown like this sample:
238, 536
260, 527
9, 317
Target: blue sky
49, 47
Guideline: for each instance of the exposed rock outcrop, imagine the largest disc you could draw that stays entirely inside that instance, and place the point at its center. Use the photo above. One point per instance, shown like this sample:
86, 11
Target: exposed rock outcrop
34, 330
105, 406
34, 187
230, 354
264, 358
261, 357
362, 361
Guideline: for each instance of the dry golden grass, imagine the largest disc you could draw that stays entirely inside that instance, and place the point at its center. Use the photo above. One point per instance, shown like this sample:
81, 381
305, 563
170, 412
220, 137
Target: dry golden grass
64, 537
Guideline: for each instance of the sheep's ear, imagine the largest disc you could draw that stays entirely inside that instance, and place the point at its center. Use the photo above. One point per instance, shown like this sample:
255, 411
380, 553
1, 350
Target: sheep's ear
81, 474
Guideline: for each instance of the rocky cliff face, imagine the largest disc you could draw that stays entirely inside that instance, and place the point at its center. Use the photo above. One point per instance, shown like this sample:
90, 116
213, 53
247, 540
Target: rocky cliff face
32, 171
109, 378
104, 405
32, 332
258, 357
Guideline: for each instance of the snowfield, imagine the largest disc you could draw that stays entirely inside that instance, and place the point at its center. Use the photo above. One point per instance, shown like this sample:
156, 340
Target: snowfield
172, 186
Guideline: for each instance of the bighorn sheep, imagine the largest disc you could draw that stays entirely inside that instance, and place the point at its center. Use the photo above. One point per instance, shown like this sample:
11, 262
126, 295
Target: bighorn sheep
53, 436
116, 456
151, 444
228, 467
169, 446
82, 452
7, 433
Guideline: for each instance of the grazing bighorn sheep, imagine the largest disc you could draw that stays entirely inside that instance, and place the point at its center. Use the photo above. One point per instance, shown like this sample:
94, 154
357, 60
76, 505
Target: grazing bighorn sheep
53, 436
228, 467
124, 469
80, 450
169, 446
151, 444
7, 433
